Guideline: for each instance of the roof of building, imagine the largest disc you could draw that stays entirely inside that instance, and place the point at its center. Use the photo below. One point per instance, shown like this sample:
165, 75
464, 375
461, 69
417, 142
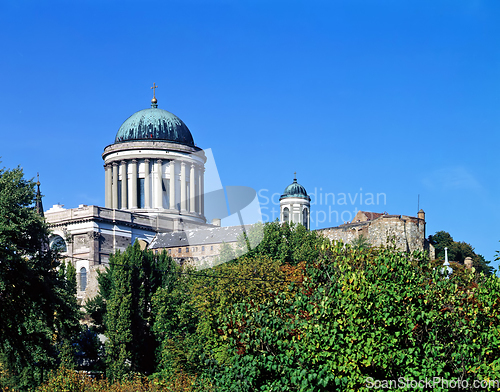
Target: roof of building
154, 124
371, 215
295, 190
213, 235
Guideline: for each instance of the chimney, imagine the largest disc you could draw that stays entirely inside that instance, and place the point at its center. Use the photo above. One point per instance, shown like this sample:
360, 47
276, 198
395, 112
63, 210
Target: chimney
216, 222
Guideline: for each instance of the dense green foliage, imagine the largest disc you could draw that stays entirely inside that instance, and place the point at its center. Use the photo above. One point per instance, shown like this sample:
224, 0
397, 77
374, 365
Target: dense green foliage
38, 311
458, 251
287, 244
294, 313
66, 380
124, 308
361, 316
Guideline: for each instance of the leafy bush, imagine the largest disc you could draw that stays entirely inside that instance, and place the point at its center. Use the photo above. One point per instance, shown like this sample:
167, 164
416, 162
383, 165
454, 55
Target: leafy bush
360, 315
66, 380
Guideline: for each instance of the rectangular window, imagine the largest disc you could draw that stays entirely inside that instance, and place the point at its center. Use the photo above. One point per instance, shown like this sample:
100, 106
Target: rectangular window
187, 250
211, 248
180, 250
169, 251
203, 249
140, 193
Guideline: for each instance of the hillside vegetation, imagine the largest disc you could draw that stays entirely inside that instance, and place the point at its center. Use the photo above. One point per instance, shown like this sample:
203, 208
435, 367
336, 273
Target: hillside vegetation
297, 313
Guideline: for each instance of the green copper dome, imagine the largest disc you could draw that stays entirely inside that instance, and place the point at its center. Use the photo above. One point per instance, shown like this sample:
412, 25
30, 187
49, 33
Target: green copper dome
295, 190
154, 124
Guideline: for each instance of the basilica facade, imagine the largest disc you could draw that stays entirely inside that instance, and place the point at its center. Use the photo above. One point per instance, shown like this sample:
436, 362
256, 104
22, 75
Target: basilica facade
154, 183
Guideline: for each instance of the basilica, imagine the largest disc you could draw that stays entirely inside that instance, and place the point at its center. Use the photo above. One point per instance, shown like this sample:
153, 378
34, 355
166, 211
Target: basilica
154, 183
155, 194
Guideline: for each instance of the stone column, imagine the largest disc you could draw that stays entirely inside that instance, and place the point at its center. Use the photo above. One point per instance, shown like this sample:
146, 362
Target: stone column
159, 188
108, 186
197, 189
200, 189
133, 184
172, 205
183, 186
114, 192
147, 184
124, 201
192, 188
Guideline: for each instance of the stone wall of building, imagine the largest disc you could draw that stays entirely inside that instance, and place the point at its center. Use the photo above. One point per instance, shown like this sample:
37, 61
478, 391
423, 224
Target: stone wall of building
93, 233
199, 256
405, 232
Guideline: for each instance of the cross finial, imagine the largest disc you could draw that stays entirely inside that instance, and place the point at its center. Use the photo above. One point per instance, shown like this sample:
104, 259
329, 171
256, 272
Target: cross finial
38, 179
154, 101
154, 88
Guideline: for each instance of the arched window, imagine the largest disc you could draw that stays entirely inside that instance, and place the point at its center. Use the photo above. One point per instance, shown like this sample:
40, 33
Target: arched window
83, 278
305, 219
58, 244
286, 214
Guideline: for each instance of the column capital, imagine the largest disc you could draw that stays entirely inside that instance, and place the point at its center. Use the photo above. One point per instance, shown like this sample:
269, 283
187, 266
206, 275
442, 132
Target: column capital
159, 161
183, 163
123, 162
114, 163
134, 160
146, 160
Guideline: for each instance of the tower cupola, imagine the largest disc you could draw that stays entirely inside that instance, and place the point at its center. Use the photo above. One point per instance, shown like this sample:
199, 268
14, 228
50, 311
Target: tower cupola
295, 204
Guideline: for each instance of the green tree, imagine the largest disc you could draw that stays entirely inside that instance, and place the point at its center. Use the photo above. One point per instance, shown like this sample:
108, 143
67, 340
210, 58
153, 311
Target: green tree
38, 309
441, 240
287, 243
175, 326
127, 287
360, 316
187, 312
458, 251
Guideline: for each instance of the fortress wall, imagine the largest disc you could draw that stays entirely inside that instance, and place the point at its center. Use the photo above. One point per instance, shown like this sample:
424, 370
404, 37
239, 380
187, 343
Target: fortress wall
407, 233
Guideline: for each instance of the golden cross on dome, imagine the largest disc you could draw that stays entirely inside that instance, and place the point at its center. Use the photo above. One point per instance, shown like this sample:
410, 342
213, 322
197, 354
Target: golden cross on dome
295, 176
154, 88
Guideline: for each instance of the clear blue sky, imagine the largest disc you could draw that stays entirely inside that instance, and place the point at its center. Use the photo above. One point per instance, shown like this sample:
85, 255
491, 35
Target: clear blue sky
396, 97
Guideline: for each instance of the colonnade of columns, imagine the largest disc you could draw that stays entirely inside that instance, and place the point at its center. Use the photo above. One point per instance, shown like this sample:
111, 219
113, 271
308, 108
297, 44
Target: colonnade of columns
296, 213
122, 190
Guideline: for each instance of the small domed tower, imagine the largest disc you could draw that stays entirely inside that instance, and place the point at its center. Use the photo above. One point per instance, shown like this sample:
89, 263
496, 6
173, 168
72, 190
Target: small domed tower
295, 205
